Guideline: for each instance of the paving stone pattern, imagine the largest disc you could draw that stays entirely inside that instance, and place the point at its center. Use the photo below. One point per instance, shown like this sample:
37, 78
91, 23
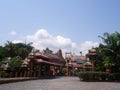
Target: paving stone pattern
60, 83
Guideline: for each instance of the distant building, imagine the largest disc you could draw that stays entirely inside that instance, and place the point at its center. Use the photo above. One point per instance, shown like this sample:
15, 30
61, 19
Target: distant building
92, 57
76, 63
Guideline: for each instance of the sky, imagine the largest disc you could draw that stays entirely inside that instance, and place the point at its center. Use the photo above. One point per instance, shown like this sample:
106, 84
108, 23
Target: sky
70, 25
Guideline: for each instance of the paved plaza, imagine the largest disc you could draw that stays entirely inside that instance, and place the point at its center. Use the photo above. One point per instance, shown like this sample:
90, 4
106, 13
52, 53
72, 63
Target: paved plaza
60, 83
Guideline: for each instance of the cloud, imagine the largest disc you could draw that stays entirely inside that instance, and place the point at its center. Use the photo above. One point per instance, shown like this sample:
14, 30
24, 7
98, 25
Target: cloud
17, 41
42, 39
85, 46
13, 33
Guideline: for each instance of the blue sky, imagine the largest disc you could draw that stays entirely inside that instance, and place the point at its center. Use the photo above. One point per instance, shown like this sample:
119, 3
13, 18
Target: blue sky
69, 24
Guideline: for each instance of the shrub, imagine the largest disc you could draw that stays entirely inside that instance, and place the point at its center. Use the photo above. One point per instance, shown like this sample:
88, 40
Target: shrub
99, 76
94, 76
83, 76
110, 77
64, 71
104, 76
116, 76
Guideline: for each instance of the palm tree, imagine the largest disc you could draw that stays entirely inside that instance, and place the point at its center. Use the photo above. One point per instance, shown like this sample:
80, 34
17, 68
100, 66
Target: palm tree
10, 48
18, 49
111, 50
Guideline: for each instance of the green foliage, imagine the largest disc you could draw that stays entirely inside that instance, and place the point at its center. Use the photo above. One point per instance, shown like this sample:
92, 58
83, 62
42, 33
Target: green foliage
64, 71
110, 51
2, 53
15, 63
47, 50
83, 75
99, 65
104, 75
99, 76
116, 76
1, 73
12, 50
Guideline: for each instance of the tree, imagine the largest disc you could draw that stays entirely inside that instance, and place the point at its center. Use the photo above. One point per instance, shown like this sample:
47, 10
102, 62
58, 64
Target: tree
99, 65
15, 63
10, 49
2, 53
111, 51
18, 49
47, 50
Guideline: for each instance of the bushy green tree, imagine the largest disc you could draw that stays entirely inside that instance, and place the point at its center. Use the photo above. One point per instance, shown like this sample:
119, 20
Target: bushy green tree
2, 55
15, 64
99, 65
47, 50
18, 49
111, 51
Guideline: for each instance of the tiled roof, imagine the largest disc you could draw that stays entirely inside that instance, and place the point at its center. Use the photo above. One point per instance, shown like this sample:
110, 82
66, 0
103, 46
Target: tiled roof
79, 59
53, 57
88, 64
74, 64
48, 58
39, 54
52, 63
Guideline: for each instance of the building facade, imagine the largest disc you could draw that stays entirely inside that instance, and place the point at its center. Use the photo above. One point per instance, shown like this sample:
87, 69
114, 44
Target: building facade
45, 64
77, 63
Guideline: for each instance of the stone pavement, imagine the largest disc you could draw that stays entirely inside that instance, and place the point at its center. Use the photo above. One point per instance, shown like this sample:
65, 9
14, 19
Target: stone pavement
60, 83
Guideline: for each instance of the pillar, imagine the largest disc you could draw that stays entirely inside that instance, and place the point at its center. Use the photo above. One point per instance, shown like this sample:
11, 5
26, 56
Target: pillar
39, 71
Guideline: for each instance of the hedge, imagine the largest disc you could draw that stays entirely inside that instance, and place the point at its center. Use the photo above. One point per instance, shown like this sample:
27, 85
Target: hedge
99, 76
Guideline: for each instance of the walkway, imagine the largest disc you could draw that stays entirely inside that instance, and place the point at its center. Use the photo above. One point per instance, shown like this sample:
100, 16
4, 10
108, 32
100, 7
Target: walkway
61, 83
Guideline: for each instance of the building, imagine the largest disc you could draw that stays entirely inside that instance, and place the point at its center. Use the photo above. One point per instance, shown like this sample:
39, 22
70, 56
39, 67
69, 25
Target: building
92, 57
77, 63
45, 64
